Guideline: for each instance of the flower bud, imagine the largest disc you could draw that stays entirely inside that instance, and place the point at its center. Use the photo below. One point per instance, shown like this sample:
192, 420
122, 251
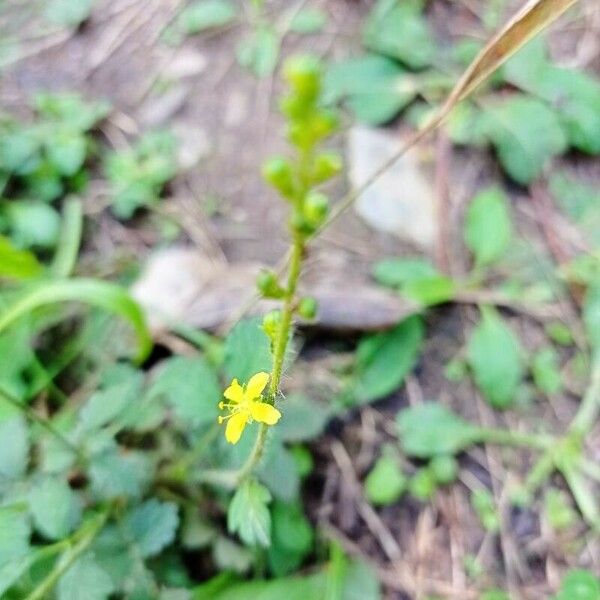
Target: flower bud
307, 308
316, 207
326, 166
299, 224
268, 285
304, 74
270, 324
278, 172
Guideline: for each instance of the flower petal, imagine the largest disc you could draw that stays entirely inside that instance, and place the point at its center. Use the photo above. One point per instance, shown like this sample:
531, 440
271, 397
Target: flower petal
234, 392
235, 427
265, 413
256, 385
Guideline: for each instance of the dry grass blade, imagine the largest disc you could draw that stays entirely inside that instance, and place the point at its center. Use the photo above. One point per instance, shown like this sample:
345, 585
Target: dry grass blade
533, 18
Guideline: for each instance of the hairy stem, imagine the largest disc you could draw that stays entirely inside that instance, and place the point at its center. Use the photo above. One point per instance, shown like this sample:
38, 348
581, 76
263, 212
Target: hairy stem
279, 350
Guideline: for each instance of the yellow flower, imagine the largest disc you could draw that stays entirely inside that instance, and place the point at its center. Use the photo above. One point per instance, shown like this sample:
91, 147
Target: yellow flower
245, 406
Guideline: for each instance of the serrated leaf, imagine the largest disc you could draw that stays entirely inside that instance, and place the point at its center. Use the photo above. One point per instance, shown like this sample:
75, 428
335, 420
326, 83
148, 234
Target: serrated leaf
152, 526
15, 532
431, 429
32, 224
107, 404
114, 475
375, 88
495, 357
466, 125
206, 14
249, 515
399, 30
279, 471
191, 387
484, 505
488, 226
55, 508
247, 351
14, 441
85, 580
526, 134
385, 359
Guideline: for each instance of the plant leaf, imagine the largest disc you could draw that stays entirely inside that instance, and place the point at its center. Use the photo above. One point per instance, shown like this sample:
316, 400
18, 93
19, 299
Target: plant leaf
247, 351
97, 293
14, 441
16, 263
385, 359
152, 526
488, 228
249, 515
85, 580
431, 429
15, 532
494, 355
206, 14
55, 508
309, 20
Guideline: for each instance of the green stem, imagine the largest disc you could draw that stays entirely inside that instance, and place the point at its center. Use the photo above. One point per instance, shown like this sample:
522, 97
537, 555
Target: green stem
82, 540
280, 346
506, 437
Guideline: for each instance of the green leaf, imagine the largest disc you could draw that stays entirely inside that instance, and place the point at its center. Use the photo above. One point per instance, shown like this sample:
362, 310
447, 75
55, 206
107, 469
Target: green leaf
385, 359
67, 12
467, 125
386, 483
495, 357
526, 134
303, 419
559, 333
70, 109
290, 588
97, 293
579, 584
55, 508
375, 88
591, 316
397, 272
488, 226
360, 582
115, 475
152, 526
558, 510
430, 291
247, 351
431, 429
191, 386
18, 148
249, 515
399, 30
85, 580
15, 532
422, 485
484, 505
293, 538
16, 263
546, 371
32, 223
206, 14
14, 441
259, 52
309, 20
67, 151
106, 405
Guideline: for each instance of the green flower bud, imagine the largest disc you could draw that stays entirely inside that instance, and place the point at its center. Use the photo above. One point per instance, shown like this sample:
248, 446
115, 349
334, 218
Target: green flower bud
326, 166
307, 308
300, 224
270, 324
324, 123
295, 107
304, 74
278, 172
315, 208
268, 285
444, 469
